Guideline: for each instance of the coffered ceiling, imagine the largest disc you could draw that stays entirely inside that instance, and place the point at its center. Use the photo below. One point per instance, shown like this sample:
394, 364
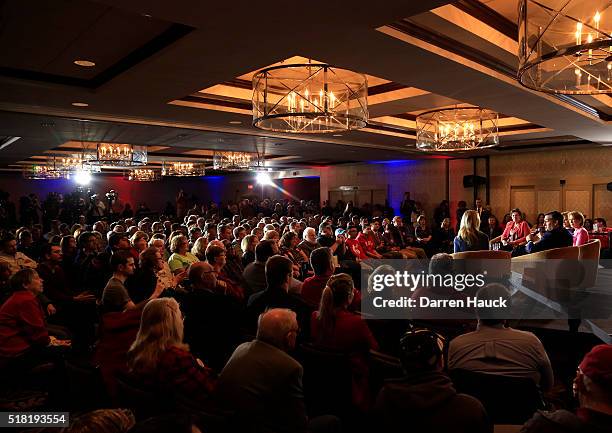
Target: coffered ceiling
176, 76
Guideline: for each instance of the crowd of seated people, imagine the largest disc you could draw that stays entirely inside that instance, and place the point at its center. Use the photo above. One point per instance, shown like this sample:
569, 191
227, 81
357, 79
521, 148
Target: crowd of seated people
167, 301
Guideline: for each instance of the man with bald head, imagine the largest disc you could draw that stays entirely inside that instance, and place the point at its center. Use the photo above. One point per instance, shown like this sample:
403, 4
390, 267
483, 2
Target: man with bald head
263, 383
211, 328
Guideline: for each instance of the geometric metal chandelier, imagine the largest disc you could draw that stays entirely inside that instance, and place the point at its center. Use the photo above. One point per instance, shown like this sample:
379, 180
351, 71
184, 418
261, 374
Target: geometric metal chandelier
118, 155
143, 175
457, 129
566, 47
309, 98
183, 169
235, 161
72, 163
43, 171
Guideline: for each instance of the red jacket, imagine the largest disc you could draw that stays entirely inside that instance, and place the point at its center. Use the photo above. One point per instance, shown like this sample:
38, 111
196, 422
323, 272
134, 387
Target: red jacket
22, 324
367, 243
351, 336
117, 333
179, 372
312, 289
356, 248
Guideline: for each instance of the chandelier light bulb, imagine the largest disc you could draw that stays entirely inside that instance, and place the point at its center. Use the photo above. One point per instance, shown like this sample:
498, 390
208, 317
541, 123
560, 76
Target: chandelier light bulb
561, 42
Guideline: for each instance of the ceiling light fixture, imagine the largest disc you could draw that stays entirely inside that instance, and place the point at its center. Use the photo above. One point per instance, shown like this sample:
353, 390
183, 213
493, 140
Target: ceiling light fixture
118, 155
234, 161
85, 63
42, 172
183, 169
457, 129
235, 122
565, 47
80, 104
142, 175
309, 98
74, 163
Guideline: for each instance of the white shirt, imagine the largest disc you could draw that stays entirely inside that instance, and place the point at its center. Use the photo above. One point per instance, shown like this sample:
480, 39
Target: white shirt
18, 262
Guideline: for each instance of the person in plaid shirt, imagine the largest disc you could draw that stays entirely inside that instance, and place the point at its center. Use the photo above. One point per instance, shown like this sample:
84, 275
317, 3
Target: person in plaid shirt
159, 358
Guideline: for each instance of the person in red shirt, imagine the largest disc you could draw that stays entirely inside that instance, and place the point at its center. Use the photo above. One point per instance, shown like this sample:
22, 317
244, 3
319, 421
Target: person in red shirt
334, 327
354, 245
366, 240
323, 266
22, 320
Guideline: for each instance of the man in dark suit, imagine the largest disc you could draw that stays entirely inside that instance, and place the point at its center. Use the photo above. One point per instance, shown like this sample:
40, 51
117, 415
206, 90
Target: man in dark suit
555, 235
263, 383
211, 328
279, 270
255, 273
484, 215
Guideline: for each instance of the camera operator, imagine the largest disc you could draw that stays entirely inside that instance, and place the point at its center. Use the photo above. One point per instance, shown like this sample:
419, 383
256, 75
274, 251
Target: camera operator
97, 208
115, 205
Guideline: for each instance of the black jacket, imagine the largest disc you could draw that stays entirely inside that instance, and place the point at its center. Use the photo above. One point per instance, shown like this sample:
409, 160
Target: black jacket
279, 298
556, 238
428, 402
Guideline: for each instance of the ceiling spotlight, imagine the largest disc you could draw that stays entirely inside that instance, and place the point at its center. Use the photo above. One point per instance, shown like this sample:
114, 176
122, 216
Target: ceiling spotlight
235, 122
85, 63
263, 179
337, 135
80, 104
82, 177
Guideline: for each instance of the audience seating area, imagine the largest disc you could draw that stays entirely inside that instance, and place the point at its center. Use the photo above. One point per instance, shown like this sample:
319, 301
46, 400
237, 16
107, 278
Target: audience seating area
177, 326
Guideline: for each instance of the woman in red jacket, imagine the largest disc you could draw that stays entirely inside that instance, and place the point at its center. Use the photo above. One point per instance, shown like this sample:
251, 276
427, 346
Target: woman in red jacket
23, 333
334, 327
515, 231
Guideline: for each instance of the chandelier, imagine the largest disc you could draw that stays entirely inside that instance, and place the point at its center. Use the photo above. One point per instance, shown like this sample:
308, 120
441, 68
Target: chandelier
73, 163
566, 47
118, 155
183, 169
234, 161
456, 129
309, 98
142, 175
43, 171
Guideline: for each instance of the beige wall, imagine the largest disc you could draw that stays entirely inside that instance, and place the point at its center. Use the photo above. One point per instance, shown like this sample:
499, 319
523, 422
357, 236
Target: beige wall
424, 179
535, 178
529, 179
